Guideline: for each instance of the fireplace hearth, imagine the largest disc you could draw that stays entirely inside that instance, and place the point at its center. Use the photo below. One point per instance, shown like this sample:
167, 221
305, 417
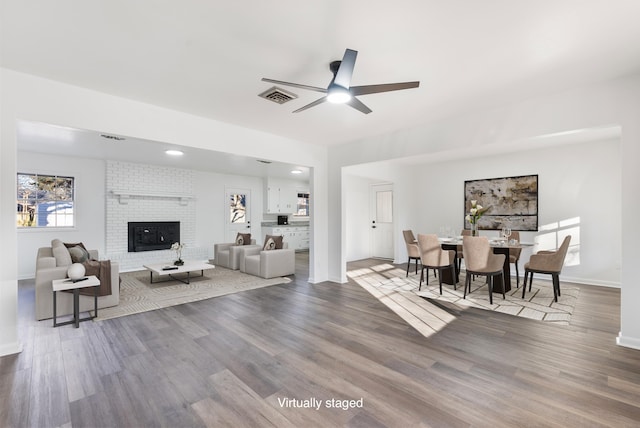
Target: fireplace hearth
152, 235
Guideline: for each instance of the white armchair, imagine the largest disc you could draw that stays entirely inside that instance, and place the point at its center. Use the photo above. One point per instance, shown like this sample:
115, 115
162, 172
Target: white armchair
228, 254
269, 263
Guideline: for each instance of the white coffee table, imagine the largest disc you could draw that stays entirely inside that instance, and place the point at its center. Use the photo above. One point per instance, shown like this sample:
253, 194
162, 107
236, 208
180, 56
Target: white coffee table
68, 284
169, 270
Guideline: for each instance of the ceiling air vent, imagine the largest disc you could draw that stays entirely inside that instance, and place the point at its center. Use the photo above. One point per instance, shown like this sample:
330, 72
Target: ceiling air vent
278, 95
112, 137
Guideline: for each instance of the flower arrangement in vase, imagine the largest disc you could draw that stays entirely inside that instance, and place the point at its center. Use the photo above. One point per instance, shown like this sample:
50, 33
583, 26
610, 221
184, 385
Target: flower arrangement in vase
177, 247
475, 212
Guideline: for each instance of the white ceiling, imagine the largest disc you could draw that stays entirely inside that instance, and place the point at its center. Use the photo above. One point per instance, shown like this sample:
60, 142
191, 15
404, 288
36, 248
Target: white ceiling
207, 57
57, 140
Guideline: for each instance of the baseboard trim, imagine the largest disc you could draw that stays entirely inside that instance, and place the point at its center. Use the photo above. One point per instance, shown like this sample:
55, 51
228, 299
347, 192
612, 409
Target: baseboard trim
587, 281
337, 280
10, 349
628, 342
573, 280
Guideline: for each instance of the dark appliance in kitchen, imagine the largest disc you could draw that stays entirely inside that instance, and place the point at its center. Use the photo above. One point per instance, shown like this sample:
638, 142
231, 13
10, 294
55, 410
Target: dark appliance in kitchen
283, 219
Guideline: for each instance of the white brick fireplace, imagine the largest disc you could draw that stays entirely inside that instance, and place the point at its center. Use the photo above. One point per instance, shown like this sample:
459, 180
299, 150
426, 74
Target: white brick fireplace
138, 192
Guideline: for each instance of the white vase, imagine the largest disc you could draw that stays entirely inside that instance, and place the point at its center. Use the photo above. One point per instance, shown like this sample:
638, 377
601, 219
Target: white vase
76, 271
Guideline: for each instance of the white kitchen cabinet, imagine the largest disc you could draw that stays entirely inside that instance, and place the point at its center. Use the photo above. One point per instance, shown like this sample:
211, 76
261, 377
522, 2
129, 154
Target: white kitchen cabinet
303, 238
281, 197
272, 199
288, 200
296, 237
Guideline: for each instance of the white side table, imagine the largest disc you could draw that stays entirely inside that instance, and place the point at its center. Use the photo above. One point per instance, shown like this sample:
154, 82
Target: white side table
68, 284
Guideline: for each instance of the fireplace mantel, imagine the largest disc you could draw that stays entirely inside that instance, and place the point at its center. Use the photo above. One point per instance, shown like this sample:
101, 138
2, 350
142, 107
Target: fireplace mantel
124, 196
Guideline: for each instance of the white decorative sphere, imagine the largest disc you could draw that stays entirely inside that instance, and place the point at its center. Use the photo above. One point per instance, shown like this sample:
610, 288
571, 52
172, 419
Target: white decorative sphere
76, 271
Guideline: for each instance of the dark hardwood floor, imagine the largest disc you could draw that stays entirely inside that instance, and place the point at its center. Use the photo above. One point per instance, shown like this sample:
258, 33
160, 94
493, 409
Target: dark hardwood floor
257, 358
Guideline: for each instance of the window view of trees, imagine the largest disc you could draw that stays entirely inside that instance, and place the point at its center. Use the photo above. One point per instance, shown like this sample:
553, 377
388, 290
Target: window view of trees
303, 204
45, 201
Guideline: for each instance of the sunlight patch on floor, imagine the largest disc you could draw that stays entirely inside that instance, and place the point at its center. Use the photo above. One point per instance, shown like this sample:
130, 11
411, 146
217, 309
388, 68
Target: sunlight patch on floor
425, 317
401, 294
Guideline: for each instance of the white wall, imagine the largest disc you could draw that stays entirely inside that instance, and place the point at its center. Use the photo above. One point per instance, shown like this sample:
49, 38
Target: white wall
26, 97
611, 103
358, 180
212, 206
574, 181
9, 341
358, 218
89, 207
101, 220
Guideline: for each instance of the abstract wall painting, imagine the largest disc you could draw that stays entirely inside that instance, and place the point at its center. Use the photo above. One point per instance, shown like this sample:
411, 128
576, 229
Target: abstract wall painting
513, 202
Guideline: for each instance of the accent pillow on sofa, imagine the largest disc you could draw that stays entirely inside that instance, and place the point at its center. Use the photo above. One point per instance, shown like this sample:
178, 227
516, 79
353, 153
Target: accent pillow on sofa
76, 244
61, 253
78, 254
243, 239
272, 242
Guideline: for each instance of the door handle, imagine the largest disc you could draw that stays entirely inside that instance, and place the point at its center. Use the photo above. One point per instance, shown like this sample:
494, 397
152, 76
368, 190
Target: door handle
373, 227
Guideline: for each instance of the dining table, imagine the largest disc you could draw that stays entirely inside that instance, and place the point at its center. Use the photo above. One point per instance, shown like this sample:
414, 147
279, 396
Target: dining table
499, 246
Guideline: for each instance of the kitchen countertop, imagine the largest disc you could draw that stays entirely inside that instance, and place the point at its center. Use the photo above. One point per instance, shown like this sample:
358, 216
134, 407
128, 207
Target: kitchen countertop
292, 224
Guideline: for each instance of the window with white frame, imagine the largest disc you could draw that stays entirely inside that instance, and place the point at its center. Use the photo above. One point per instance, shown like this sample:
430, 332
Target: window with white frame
45, 201
303, 205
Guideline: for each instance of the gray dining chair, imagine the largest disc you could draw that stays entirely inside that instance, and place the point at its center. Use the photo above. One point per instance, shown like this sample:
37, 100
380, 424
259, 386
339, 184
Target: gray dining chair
412, 249
480, 260
547, 262
432, 256
459, 252
514, 255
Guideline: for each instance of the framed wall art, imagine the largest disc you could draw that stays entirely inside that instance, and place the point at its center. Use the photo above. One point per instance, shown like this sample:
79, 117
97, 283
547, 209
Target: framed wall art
512, 202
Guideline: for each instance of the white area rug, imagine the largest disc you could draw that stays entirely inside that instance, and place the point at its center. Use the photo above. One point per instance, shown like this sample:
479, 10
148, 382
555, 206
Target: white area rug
389, 284
137, 294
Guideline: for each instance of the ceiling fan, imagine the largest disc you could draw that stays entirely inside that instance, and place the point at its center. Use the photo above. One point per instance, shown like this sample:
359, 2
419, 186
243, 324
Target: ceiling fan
339, 90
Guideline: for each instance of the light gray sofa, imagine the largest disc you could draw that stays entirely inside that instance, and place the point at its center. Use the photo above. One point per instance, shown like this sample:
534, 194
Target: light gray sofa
228, 254
268, 264
47, 269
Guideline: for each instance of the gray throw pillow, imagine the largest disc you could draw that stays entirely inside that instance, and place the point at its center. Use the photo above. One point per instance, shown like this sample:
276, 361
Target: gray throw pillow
78, 254
75, 244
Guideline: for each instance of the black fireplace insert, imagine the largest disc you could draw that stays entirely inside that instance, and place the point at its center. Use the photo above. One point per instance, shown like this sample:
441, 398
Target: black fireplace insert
152, 235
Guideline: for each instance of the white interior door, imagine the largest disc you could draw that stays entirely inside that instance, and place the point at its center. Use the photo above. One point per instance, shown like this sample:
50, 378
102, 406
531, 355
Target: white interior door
238, 215
382, 221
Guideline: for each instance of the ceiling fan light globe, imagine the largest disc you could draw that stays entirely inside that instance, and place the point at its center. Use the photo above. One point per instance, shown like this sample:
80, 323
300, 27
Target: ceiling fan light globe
338, 95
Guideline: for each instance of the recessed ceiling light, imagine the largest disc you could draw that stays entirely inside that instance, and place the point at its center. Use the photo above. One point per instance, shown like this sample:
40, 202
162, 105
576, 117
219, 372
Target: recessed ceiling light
296, 171
174, 152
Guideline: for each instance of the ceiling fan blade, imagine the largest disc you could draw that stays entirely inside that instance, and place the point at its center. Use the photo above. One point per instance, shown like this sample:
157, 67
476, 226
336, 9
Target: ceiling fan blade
313, 104
387, 87
295, 85
345, 71
358, 105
